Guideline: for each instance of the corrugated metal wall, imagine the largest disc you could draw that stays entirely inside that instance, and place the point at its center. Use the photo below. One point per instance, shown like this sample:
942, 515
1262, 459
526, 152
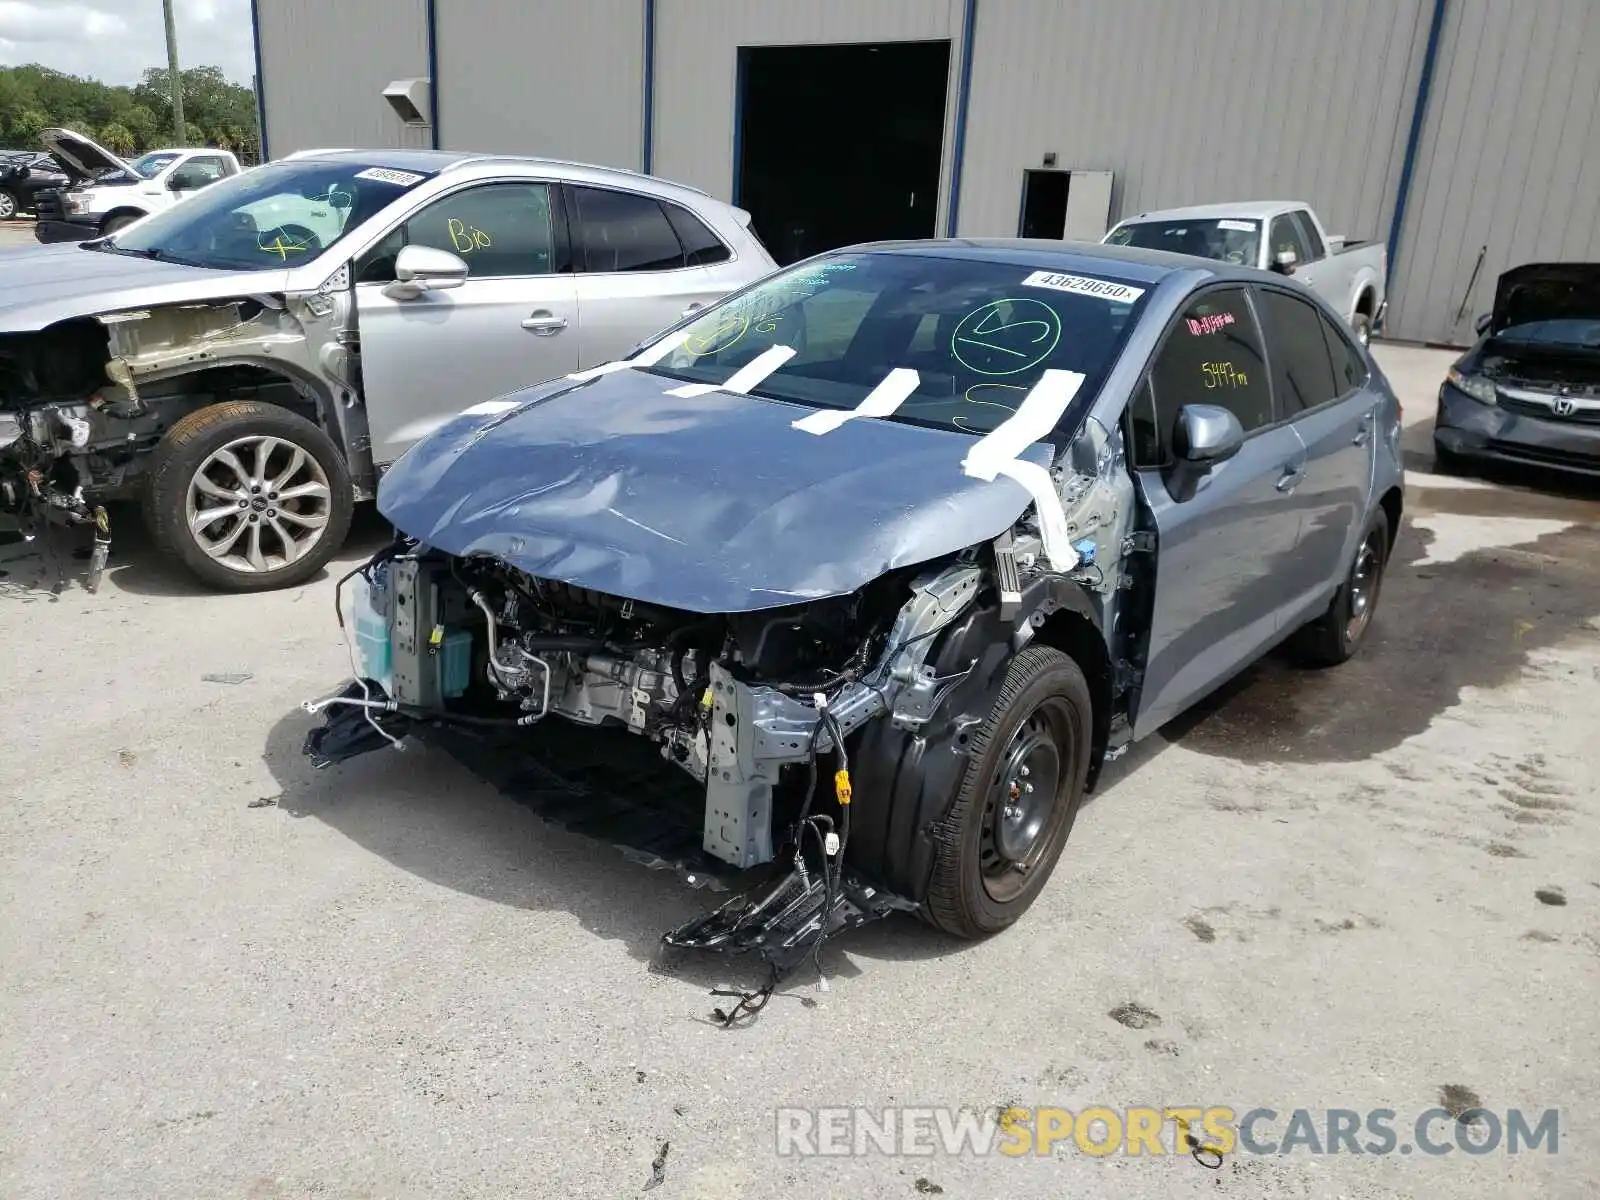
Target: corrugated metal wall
325, 65
1509, 160
1195, 103
547, 77
697, 45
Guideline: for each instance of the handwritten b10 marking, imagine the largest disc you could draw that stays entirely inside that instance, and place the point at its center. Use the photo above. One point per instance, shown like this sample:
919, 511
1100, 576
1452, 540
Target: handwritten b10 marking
467, 238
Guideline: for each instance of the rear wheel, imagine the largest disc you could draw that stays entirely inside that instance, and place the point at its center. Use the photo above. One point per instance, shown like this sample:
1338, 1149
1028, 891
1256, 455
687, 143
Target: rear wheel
1025, 776
1335, 636
249, 496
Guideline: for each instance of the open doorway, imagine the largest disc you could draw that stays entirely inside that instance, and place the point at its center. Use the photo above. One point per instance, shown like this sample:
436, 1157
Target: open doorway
840, 144
1044, 204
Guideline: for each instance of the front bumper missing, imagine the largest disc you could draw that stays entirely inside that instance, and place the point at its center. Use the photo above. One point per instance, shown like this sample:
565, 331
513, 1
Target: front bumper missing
610, 787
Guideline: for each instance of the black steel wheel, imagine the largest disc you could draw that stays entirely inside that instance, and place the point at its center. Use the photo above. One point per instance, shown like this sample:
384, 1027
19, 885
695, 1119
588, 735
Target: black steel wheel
1017, 801
1334, 637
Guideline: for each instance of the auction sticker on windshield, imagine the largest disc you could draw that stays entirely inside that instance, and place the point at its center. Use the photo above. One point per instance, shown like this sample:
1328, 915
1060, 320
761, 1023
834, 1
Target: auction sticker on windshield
385, 175
1082, 285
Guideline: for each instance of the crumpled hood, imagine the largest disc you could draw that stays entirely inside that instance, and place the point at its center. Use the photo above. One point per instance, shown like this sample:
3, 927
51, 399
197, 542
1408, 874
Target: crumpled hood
41, 286
1546, 292
713, 504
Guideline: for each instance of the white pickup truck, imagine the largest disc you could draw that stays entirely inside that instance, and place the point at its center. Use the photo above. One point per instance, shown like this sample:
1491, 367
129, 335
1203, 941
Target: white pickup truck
1351, 276
109, 194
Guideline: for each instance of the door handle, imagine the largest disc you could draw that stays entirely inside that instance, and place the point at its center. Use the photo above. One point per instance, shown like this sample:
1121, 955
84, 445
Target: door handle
544, 324
692, 309
1290, 479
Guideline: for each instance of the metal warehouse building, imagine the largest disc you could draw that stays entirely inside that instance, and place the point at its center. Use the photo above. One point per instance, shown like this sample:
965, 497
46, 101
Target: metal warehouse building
1464, 133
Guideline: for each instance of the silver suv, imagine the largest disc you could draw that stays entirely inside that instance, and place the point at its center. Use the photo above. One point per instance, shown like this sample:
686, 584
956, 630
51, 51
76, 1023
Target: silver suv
248, 363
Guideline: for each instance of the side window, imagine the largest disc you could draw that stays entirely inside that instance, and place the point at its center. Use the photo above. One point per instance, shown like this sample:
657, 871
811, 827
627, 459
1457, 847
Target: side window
499, 229
622, 231
1349, 369
701, 247
1145, 440
204, 169
1302, 374
1309, 235
1211, 356
1286, 236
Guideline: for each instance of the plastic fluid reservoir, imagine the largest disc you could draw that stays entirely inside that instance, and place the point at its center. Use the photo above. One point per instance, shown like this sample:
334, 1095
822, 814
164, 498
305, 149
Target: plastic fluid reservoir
369, 621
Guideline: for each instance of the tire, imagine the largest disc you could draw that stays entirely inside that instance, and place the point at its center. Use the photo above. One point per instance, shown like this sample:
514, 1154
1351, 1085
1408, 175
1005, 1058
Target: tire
209, 463
977, 887
1334, 637
1361, 325
10, 204
116, 225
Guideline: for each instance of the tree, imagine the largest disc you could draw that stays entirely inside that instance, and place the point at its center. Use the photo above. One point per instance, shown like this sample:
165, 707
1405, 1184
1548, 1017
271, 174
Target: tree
118, 139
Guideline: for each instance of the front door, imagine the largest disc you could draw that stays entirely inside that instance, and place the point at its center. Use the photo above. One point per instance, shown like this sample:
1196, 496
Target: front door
513, 323
1222, 551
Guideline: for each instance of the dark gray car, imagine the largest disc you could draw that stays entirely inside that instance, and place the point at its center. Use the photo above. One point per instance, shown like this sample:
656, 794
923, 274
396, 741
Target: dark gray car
1528, 392
882, 558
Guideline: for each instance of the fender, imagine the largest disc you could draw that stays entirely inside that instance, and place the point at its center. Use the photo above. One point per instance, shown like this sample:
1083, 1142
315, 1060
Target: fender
907, 779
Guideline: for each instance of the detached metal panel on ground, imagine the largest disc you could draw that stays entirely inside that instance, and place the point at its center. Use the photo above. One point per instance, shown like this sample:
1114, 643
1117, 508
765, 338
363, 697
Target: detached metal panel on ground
1509, 162
324, 67
1193, 104
545, 77
696, 68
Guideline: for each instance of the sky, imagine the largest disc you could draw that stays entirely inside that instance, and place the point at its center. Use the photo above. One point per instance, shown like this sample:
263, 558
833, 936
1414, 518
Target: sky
115, 40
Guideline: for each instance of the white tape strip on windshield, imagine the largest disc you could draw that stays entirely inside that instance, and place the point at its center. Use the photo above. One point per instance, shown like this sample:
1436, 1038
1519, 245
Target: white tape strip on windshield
745, 378
487, 408
996, 453
882, 401
1035, 417
648, 357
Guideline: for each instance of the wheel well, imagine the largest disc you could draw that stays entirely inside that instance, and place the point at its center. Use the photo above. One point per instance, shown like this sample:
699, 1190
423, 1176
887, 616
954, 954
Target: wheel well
135, 213
1366, 303
1077, 637
214, 385
1392, 505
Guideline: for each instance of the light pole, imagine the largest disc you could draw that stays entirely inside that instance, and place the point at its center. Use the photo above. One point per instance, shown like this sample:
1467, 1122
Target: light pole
174, 80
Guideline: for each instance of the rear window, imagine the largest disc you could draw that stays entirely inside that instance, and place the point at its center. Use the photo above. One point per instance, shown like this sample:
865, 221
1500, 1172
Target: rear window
979, 335
1224, 239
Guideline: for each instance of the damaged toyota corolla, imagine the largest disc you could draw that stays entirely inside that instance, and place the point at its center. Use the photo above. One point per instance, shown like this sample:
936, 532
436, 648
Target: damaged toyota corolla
883, 557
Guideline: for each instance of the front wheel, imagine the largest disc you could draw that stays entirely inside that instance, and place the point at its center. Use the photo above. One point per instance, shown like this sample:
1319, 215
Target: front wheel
9, 204
1026, 771
116, 225
1334, 637
249, 496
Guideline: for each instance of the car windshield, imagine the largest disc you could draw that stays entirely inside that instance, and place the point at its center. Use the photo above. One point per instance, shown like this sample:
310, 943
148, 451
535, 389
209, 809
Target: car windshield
150, 165
282, 214
978, 334
1225, 239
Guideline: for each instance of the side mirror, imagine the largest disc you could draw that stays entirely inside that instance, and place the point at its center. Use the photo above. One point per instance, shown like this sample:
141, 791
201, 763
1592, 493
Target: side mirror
1283, 262
419, 269
1203, 436
178, 182
1481, 325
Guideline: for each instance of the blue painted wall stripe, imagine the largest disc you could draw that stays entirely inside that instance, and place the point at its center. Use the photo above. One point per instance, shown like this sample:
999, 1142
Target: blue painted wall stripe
1419, 112
261, 84
648, 141
969, 25
433, 72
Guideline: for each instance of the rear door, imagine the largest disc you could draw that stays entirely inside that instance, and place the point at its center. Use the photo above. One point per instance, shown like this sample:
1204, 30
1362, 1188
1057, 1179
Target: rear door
513, 323
643, 263
1319, 380
1221, 553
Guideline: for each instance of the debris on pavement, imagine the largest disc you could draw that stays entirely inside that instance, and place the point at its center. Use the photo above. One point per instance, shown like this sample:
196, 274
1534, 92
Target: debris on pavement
228, 677
658, 1169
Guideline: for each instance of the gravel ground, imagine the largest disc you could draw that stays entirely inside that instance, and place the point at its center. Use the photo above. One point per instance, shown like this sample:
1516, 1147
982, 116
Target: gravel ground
224, 975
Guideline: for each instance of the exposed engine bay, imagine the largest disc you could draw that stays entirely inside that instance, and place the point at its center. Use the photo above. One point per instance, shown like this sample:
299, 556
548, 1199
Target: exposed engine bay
760, 708
84, 402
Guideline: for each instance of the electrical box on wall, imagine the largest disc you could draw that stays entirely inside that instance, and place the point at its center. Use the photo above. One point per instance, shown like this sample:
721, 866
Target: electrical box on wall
1070, 205
411, 99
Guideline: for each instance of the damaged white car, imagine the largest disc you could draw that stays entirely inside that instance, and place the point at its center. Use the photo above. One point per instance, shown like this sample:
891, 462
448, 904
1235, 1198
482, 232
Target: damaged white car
247, 363
862, 574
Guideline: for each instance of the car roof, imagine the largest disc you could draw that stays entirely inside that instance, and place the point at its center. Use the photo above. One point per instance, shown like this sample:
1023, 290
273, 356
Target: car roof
441, 161
1258, 210
1126, 264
